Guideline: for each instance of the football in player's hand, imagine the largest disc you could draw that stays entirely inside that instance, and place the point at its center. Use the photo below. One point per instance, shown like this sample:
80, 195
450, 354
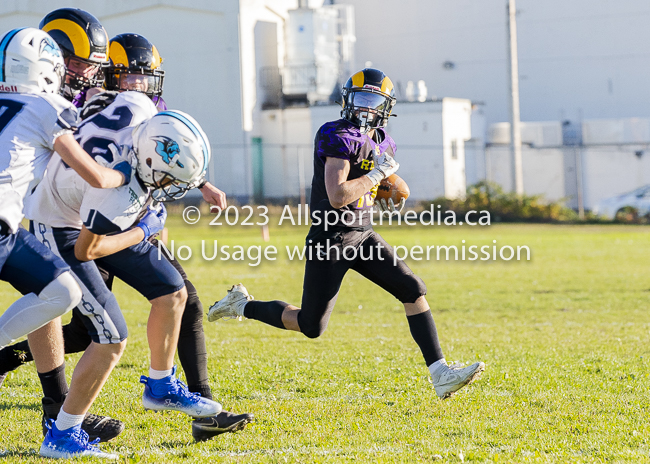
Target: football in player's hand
393, 187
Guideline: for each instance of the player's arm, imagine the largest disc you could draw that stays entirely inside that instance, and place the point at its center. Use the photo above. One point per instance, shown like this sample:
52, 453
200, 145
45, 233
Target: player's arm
91, 246
213, 195
97, 176
341, 191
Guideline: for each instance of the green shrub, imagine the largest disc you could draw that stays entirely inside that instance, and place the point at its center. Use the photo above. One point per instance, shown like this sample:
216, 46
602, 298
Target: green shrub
506, 206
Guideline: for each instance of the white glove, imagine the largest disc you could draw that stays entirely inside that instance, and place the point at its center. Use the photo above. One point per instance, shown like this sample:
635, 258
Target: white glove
385, 166
388, 209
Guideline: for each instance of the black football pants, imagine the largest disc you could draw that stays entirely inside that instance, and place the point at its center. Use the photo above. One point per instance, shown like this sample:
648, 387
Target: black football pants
363, 251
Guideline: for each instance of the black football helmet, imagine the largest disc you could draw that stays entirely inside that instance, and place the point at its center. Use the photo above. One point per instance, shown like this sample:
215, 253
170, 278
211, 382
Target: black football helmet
81, 36
368, 99
135, 65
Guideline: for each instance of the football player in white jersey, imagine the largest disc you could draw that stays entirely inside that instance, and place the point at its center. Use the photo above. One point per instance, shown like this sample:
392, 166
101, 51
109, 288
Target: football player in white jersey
131, 54
76, 220
34, 121
84, 44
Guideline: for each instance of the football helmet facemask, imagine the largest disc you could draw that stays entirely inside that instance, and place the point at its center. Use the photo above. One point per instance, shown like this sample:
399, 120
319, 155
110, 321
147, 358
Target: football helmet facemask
33, 62
173, 154
84, 43
135, 65
368, 99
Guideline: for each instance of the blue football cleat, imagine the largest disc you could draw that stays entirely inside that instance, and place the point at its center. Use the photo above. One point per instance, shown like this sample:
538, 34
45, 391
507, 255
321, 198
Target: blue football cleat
170, 394
70, 443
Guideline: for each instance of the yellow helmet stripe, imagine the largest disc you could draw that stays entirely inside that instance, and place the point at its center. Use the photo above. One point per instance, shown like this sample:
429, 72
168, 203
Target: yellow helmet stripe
118, 54
387, 85
157, 61
358, 79
75, 33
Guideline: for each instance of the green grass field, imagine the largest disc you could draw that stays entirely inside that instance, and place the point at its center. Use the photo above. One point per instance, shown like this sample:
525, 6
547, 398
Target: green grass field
564, 336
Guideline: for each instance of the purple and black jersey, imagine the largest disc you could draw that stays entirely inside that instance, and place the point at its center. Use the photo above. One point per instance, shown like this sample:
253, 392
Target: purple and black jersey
342, 139
80, 99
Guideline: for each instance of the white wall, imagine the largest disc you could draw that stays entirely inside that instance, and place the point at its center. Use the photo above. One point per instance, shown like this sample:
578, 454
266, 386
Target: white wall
614, 159
543, 158
456, 129
475, 168
544, 170
287, 140
423, 133
629, 130
418, 134
578, 59
610, 171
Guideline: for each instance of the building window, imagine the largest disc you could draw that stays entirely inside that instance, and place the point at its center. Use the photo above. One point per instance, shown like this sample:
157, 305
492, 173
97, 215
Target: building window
454, 149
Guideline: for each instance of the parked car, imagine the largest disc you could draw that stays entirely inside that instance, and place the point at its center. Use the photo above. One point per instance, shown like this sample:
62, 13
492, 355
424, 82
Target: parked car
627, 207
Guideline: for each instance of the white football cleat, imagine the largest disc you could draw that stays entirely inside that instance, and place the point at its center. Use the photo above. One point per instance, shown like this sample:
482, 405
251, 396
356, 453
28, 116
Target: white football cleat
232, 305
447, 380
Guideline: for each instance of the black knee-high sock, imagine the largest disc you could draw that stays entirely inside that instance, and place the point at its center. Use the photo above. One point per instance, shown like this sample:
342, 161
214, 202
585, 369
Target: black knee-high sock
269, 312
54, 384
424, 332
192, 352
204, 390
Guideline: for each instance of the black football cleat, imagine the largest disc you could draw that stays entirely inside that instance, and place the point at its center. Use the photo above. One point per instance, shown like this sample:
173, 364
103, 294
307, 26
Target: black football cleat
208, 427
102, 427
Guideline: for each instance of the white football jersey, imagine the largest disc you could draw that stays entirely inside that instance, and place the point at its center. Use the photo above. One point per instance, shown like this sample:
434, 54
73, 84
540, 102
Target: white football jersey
29, 125
64, 199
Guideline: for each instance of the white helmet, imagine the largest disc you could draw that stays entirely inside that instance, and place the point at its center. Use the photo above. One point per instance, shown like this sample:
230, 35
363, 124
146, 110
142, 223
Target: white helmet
30, 62
173, 154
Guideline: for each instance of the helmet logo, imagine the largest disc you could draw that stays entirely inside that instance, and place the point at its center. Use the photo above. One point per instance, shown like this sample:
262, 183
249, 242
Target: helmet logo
372, 87
98, 56
168, 150
48, 46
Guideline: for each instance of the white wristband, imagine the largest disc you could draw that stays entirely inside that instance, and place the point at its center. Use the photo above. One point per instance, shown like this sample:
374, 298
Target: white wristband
376, 176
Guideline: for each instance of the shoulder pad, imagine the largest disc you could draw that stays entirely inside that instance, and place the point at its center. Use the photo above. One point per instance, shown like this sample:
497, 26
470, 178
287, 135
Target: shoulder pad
98, 103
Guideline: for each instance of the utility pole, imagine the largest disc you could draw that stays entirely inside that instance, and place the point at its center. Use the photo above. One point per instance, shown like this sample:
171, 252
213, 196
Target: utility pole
515, 122
581, 203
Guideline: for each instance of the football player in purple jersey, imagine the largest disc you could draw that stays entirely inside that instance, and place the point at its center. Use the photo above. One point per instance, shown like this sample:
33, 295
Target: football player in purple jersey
84, 43
351, 157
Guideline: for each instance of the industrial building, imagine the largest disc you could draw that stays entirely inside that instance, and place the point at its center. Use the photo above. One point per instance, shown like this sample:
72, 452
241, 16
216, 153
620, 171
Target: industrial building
262, 75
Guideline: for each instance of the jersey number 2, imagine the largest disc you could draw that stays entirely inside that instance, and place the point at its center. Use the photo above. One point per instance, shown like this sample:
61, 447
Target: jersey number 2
124, 118
98, 146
